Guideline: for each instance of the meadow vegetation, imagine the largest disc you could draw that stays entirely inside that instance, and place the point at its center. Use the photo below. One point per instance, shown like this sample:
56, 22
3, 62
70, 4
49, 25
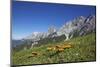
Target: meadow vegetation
82, 48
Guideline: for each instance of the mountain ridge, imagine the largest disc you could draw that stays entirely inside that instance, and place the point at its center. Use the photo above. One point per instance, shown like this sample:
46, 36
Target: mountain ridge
70, 26
79, 26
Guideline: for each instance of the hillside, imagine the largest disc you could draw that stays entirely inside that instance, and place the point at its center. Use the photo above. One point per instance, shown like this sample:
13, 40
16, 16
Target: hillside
83, 48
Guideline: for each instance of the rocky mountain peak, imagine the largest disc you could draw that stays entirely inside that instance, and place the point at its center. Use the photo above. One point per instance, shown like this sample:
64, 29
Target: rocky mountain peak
52, 30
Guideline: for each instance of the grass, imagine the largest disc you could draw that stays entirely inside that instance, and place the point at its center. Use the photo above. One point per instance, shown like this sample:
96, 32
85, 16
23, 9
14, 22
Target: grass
83, 49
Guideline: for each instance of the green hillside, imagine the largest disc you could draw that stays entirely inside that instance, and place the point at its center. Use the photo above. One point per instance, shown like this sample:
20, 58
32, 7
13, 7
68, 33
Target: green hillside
83, 49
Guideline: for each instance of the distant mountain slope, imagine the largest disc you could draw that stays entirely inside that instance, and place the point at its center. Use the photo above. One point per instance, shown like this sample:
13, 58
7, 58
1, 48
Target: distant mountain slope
16, 42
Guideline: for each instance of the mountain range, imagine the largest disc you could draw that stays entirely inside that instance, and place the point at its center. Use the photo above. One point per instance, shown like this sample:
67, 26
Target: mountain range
79, 26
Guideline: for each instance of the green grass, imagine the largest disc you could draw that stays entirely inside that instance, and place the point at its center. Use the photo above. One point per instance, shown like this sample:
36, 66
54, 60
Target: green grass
84, 49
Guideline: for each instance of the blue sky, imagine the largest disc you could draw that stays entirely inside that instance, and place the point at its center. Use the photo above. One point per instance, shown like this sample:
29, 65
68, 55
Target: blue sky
28, 17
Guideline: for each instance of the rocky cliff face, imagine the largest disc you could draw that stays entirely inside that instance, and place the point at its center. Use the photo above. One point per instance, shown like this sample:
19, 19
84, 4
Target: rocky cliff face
36, 36
78, 27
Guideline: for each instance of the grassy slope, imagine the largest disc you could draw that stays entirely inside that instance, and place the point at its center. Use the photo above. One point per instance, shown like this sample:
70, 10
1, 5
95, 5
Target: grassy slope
83, 50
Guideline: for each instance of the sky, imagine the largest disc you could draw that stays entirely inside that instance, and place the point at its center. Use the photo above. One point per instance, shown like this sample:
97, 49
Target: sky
29, 17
